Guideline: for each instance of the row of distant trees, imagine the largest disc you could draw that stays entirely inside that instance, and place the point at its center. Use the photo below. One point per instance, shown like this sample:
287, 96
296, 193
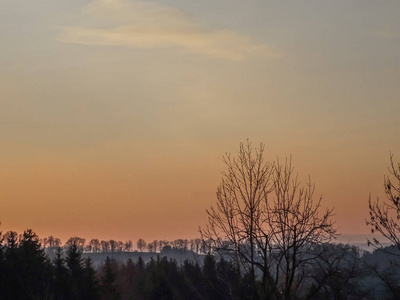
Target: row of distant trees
337, 272
95, 245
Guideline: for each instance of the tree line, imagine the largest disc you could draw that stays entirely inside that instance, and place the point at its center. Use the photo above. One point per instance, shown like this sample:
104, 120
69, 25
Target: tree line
196, 245
338, 272
26, 272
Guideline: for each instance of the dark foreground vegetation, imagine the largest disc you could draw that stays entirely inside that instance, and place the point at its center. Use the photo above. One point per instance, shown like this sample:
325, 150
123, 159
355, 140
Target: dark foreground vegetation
339, 272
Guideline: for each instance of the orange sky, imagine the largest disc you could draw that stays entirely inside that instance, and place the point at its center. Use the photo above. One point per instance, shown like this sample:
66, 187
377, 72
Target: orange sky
115, 115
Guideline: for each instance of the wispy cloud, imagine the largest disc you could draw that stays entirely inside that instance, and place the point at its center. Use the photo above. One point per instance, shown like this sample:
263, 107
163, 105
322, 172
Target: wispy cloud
146, 25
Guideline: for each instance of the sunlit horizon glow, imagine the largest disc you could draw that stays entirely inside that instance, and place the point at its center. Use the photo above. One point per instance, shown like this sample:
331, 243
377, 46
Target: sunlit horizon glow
115, 115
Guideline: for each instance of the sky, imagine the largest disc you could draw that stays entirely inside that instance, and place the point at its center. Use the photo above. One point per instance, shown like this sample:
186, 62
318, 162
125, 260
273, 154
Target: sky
115, 115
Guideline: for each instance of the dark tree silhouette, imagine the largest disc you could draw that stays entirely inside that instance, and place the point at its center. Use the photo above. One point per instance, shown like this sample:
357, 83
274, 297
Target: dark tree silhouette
128, 279
75, 265
141, 244
108, 280
337, 273
128, 246
385, 216
91, 286
51, 242
27, 271
61, 277
77, 241
105, 246
113, 245
120, 246
95, 245
266, 221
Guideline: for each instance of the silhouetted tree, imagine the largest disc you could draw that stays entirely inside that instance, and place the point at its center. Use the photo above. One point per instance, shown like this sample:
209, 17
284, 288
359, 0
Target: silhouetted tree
61, 277
10, 239
337, 273
266, 221
26, 268
75, 265
120, 246
36, 267
91, 286
384, 216
194, 280
163, 280
140, 263
77, 241
141, 244
108, 287
195, 245
113, 245
154, 246
105, 246
213, 289
95, 244
128, 246
11, 267
162, 244
51, 242
128, 274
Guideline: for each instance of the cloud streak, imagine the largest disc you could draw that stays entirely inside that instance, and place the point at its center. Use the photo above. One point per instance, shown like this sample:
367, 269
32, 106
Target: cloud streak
149, 25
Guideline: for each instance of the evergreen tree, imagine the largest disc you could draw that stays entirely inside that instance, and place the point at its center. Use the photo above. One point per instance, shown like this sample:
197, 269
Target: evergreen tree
11, 272
108, 280
193, 278
230, 279
91, 287
61, 277
36, 267
76, 272
128, 279
140, 278
140, 263
27, 270
211, 282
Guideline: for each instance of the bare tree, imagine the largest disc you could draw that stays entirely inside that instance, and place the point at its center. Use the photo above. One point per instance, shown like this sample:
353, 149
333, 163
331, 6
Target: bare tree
120, 246
141, 244
385, 216
113, 245
105, 246
266, 221
88, 248
51, 242
95, 245
179, 244
128, 246
162, 244
79, 242
337, 273
195, 245
154, 246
